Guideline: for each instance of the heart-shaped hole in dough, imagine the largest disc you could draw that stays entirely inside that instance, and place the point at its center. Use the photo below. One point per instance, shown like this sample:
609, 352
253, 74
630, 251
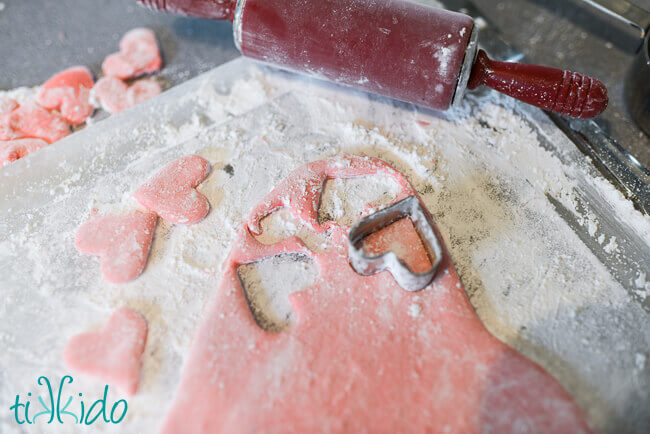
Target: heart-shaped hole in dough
267, 284
345, 200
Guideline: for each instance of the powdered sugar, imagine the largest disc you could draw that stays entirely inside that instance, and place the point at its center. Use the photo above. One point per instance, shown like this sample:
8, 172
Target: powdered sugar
269, 282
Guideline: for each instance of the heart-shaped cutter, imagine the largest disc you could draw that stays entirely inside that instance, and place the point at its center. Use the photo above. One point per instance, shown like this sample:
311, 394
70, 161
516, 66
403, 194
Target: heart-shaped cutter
367, 265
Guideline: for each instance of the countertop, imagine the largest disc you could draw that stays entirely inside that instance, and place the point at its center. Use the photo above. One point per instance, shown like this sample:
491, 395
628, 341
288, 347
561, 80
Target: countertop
41, 38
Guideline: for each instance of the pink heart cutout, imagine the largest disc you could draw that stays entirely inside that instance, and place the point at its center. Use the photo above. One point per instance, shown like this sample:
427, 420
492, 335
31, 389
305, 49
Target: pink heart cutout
112, 354
139, 54
13, 150
115, 96
172, 194
69, 92
122, 243
30, 121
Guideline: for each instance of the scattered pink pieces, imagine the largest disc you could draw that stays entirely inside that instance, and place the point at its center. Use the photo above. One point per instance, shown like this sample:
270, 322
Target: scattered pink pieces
14, 149
112, 354
111, 93
122, 243
139, 54
142, 90
115, 96
32, 121
171, 193
69, 92
363, 354
7, 105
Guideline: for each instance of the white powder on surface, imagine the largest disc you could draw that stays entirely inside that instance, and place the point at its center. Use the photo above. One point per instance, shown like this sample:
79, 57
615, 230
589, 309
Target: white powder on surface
415, 310
511, 198
443, 54
345, 200
20, 94
612, 246
641, 281
269, 282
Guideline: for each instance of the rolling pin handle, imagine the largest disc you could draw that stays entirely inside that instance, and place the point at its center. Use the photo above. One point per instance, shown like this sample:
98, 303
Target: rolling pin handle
564, 92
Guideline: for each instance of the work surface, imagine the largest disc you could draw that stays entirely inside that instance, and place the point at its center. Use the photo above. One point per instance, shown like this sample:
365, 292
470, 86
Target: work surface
41, 38
552, 257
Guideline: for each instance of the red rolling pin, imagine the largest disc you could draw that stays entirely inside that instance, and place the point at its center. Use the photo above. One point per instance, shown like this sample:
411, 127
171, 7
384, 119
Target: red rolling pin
397, 48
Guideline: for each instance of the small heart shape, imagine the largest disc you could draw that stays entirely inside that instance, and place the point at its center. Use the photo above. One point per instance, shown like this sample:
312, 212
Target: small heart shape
171, 193
112, 354
13, 150
114, 95
31, 121
69, 92
139, 54
122, 243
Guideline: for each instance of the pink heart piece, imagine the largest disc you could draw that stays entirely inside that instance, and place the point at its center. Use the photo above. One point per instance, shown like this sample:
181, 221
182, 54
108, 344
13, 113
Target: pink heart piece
69, 92
171, 193
32, 121
112, 354
115, 96
142, 90
139, 54
7, 105
13, 150
122, 243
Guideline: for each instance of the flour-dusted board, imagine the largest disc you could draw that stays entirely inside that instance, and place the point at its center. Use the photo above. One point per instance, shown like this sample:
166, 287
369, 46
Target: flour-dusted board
554, 259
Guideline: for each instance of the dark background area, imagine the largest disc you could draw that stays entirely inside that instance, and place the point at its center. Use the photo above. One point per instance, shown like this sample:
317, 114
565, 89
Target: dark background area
39, 38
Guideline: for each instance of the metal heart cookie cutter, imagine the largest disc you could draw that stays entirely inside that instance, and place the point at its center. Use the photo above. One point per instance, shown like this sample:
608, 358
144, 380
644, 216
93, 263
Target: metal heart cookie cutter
367, 265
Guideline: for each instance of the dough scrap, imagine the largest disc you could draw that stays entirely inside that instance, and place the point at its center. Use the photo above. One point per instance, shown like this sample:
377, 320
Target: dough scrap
139, 54
31, 121
69, 92
115, 96
112, 354
363, 354
7, 105
12, 150
121, 242
172, 194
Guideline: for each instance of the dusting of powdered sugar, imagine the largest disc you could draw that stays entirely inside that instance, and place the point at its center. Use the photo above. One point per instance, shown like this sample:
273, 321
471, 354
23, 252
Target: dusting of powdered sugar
21, 95
269, 282
495, 176
345, 200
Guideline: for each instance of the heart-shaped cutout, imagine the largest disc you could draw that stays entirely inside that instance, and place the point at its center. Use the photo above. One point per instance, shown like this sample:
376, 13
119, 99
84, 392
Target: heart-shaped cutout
171, 193
13, 150
122, 243
139, 54
69, 92
32, 121
115, 96
112, 354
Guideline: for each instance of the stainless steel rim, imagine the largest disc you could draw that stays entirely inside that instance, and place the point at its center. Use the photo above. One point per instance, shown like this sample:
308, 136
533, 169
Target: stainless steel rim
237, 23
466, 69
